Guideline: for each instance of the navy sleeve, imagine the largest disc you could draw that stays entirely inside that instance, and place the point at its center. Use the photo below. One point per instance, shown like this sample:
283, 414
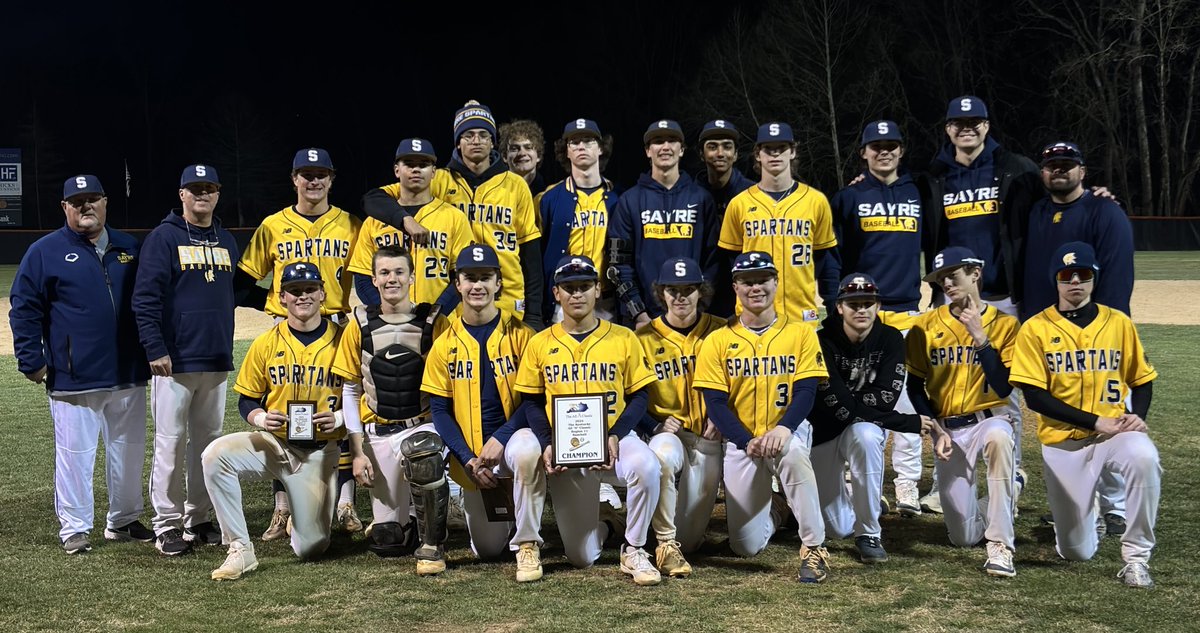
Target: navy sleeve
622, 227
725, 418
1043, 402
367, 292
1114, 252
153, 281
443, 420
804, 392
381, 206
1139, 399
449, 299
826, 261
994, 370
647, 425
247, 405
918, 397
712, 233
246, 291
531, 270
517, 421
538, 422
29, 313
635, 410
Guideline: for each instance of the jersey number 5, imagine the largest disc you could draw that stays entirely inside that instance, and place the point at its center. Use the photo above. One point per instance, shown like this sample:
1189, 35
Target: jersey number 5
1112, 393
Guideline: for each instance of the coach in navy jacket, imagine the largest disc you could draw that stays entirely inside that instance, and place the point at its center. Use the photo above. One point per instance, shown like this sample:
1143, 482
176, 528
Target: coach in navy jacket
74, 330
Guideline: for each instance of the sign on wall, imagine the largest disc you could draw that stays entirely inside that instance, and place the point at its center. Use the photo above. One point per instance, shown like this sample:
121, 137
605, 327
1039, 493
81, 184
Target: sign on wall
10, 187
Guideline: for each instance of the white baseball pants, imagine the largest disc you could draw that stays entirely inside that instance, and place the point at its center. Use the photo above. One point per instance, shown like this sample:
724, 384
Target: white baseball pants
854, 509
684, 509
522, 462
966, 522
189, 412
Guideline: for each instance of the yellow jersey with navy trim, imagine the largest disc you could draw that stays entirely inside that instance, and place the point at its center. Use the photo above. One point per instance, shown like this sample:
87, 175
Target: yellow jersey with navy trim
941, 352
672, 356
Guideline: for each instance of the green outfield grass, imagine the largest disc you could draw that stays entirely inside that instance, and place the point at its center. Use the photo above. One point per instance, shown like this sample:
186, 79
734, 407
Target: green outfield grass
927, 585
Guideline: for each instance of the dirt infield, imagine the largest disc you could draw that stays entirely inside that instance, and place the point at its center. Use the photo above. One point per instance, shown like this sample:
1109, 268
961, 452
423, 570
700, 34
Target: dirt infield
1160, 302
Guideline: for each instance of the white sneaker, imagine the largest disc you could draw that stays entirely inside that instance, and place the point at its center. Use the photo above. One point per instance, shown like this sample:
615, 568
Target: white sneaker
347, 519
636, 563
456, 519
1136, 575
999, 561
609, 495
932, 501
529, 562
908, 501
240, 560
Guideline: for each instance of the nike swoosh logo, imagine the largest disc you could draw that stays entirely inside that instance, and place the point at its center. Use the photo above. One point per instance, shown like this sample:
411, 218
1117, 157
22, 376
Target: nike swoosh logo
911, 201
391, 356
693, 206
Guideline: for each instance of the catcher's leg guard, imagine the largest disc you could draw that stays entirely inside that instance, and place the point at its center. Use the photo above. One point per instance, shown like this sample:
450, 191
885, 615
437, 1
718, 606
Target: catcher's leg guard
425, 469
391, 539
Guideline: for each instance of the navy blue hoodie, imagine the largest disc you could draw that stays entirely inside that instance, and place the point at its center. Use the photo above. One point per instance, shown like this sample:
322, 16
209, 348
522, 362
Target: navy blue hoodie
879, 229
70, 312
662, 224
183, 299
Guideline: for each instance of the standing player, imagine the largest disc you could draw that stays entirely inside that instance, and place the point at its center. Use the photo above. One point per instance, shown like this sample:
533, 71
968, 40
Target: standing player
855, 410
958, 357
586, 355
448, 229
471, 378
184, 304
1077, 362
316, 232
878, 225
575, 213
664, 216
74, 331
382, 351
722, 178
788, 220
687, 443
524, 146
758, 375
290, 364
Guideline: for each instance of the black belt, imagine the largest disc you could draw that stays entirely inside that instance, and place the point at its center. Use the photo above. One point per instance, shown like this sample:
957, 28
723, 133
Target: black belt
307, 445
384, 429
959, 421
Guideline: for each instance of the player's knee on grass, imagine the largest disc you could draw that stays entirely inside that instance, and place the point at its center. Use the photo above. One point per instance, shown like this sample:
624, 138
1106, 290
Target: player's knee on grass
747, 547
1080, 551
308, 549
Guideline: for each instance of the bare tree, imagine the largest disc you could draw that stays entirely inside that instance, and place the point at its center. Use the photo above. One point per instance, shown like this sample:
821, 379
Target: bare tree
243, 143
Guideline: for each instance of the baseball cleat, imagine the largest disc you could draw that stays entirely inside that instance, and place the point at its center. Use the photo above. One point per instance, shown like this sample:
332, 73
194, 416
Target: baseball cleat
1048, 519
609, 495
932, 502
240, 560
77, 543
870, 549
278, 527
202, 534
814, 564
999, 560
635, 562
670, 561
172, 543
529, 562
1114, 524
431, 560
1136, 575
347, 518
129, 532
908, 501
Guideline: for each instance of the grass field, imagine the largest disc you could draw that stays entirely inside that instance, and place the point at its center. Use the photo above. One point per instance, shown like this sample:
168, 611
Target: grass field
926, 586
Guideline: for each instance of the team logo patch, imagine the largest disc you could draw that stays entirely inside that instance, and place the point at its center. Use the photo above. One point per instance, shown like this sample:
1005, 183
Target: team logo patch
72, 257
1057, 217
124, 258
453, 350
287, 230
1069, 259
938, 335
661, 350
1056, 340
279, 354
733, 346
553, 350
820, 358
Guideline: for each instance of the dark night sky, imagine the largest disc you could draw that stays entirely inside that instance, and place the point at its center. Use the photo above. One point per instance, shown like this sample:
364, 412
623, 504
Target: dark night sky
108, 84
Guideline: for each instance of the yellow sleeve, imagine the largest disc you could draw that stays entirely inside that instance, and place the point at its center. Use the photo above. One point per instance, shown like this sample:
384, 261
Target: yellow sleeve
347, 361
1138, 370
442, 183
537, 210
709, 372
731, 226
916, 356
461, 237
1028, 363
529, 375
823, 236
393, 189
436, 380
257, 260
252, 376
637, 370
1008, 335
810, 362
524, 216
364, 249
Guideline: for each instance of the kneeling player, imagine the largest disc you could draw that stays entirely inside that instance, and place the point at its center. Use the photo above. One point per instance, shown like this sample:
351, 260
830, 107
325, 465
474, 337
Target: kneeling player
958, 357
758, 375
290, 363
1074, 348
586, 355
687, 443
853, 412
402, 462
470, 376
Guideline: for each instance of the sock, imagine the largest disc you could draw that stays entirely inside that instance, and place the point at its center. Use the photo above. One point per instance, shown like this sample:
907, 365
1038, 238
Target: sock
346, 492
281, 501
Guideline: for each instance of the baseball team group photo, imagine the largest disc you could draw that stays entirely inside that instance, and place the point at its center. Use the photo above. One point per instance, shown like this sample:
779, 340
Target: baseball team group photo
519, 383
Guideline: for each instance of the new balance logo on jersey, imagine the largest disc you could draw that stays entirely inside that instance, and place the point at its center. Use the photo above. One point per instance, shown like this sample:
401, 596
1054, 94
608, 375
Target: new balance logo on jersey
553, 350
1057, 339
661, 350
733, 346
279, 354
287, 230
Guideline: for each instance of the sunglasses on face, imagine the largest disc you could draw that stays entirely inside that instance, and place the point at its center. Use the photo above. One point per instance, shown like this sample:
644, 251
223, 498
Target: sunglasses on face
1067, 275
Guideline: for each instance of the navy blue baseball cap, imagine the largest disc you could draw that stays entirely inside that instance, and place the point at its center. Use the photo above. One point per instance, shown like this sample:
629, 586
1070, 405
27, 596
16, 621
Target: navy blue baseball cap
575, 268
719, 128
193, 174
474, 116
1062, 151
882, 130
477, 256
83, 183
1073, 255
300, 273
415, 147
952, 258
581, 127
857, 286
966, 107
664, 127
312, 157
680, 271
754, 261
774, 133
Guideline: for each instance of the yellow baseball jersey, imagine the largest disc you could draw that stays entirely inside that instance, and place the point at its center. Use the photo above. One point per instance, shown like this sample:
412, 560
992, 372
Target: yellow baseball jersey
282, 369
790, 231
672, 356
452, 370
449, 233
902, 321
286, 237
1091, 368
758, 370
609, 361
942, 353
501, 215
